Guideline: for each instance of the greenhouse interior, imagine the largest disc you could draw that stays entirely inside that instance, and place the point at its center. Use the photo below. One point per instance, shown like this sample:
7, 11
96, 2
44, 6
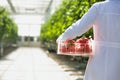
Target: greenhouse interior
28, 33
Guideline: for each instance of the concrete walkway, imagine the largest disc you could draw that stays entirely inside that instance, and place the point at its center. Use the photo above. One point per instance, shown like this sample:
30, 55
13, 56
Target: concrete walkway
30, 64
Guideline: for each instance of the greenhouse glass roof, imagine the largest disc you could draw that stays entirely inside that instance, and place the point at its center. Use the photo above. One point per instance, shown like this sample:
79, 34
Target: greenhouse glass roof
26, 6
29, 14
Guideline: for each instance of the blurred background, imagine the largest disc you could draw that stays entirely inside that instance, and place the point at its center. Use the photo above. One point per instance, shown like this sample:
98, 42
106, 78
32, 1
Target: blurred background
28, 16
29, 24
38, 23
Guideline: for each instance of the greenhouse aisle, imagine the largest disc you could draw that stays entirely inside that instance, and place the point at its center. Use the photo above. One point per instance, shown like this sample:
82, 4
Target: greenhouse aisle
27, 63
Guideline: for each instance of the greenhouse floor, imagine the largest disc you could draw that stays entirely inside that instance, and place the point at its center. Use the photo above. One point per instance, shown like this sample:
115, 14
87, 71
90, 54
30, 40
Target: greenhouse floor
27, 63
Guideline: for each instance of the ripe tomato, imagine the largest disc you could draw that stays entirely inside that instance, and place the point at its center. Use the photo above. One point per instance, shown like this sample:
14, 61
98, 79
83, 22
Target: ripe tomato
82, 45
70, 45
63, 49
79, 48
82, 40
85, 40
88, 48
71, 48
79, 40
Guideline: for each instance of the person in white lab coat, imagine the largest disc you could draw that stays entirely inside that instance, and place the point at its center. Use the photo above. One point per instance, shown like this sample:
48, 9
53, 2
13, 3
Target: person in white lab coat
104, 17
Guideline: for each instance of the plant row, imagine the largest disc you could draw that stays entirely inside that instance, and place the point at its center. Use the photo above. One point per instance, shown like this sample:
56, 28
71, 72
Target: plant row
8, 29
67, 13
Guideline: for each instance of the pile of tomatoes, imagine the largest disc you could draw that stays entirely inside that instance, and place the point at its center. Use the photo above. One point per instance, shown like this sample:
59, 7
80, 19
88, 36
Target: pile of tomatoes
80, 46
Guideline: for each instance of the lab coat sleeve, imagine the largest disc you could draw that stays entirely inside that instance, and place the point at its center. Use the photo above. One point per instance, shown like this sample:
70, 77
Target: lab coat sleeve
81, 26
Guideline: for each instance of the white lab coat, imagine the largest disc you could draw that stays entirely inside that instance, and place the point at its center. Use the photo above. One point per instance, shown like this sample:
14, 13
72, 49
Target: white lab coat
105, 19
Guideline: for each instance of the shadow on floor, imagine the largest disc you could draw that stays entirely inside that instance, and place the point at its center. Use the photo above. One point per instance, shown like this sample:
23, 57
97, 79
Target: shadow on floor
7, 51
75, 68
